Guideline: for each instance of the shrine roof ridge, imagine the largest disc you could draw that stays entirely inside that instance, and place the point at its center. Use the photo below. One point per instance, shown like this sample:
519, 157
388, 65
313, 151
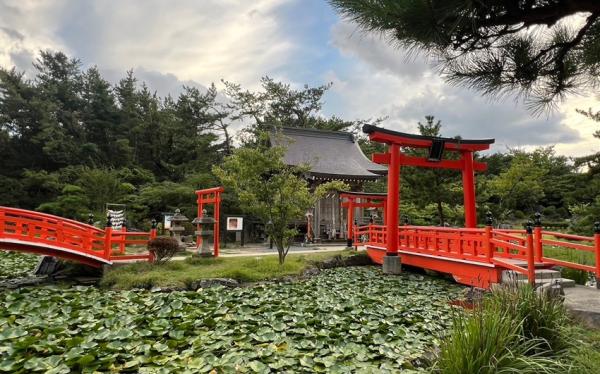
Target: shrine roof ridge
320, 133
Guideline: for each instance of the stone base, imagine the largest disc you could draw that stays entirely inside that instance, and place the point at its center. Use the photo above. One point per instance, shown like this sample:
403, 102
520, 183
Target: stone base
349, 243
392, 265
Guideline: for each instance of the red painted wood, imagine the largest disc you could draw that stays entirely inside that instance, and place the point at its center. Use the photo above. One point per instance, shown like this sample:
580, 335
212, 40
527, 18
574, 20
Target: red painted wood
465, 273
350, 218
424, 143
468, 178
468, 254
393, 197
210, 196
443, 164
597, 250
530, 259
45, 234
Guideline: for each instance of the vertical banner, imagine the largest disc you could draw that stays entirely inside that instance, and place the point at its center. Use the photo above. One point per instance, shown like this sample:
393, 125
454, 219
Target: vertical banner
117, 215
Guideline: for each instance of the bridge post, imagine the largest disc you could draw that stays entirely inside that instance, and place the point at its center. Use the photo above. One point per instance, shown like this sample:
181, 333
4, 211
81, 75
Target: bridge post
153, 229
60, 234
151, 257
489, 250
350, 219
530, 254
537, 232
597, 248
108, 238
123, 237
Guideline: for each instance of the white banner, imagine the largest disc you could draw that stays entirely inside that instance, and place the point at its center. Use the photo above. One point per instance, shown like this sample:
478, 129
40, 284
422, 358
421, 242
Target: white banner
117, 217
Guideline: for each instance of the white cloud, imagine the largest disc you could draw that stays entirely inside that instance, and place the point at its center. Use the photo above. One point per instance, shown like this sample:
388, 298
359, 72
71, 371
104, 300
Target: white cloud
375, 49
24, 30
195, 40
384, 83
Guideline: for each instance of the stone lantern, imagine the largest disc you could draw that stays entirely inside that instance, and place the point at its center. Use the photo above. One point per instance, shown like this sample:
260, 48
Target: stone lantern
206, 232
177, 226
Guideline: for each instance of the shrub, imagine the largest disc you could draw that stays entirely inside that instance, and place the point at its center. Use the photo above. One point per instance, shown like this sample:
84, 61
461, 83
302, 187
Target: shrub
163, 249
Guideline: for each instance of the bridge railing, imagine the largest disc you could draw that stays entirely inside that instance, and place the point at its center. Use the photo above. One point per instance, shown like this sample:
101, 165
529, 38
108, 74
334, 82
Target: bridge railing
491, 245
46, 229
130, 240
463, 244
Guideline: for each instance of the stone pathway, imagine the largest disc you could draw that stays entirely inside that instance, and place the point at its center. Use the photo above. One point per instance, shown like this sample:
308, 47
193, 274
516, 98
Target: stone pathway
584, 303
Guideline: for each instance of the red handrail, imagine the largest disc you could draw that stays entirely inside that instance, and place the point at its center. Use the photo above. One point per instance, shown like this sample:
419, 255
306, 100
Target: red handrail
486, 245
47, 234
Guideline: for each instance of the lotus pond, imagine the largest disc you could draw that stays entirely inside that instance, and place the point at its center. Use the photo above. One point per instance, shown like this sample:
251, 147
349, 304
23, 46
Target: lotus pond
15, 264
343, 320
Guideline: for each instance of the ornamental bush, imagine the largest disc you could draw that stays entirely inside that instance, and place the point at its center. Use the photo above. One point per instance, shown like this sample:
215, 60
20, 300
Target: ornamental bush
163, 249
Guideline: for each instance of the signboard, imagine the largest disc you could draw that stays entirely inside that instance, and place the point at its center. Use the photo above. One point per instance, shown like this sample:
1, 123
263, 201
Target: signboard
235, 223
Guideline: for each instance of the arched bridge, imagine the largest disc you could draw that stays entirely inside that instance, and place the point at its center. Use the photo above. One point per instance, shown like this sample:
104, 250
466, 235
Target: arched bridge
46, 234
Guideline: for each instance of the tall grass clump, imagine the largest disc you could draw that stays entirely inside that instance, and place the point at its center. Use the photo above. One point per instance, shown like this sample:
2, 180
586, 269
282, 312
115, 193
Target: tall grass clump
515, 329
542, 314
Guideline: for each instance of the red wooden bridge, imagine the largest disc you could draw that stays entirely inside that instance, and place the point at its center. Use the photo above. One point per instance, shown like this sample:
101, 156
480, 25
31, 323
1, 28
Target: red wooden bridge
45, 234
474, 256
477, 256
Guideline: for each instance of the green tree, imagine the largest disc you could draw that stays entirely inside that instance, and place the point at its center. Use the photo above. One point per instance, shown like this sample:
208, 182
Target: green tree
99, 120
102, 186
72, 203
495, 46
59, 84
278, 104
425, 186
268, 189
521, 186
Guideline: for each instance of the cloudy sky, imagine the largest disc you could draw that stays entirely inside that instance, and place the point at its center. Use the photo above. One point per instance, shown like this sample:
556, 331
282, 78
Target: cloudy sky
171, 43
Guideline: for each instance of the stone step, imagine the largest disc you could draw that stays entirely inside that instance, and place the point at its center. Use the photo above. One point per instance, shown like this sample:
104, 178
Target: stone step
563, 282
522, 263
511, 275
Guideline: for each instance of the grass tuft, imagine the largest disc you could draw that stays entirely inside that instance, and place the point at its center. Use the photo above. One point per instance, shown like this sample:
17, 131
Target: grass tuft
515, 329
542, 315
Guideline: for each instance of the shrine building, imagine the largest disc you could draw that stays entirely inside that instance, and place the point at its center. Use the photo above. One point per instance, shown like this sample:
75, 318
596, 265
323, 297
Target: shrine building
331, 156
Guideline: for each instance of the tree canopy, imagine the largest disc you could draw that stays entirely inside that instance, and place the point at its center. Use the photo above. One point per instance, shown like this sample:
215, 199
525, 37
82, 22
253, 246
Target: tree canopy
531, 47
70, 142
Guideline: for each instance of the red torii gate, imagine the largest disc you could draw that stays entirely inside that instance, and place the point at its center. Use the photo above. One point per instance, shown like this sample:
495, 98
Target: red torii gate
210, 196
395, 159
351, 200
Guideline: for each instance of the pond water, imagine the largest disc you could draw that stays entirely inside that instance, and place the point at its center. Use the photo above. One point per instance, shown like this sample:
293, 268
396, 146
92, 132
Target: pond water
343, 320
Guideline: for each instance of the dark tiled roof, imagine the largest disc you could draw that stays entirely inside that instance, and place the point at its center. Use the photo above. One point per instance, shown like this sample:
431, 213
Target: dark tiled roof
331, 154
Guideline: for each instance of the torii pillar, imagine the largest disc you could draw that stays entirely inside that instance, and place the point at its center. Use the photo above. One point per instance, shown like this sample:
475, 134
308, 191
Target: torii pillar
391, 262
468, 177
